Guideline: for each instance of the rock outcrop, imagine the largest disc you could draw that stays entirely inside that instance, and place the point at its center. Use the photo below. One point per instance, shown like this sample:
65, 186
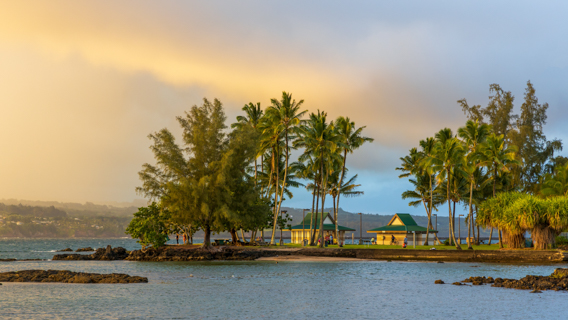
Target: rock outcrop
66, 250
66, 276
107, 254
171, 254
84, 249
557, 281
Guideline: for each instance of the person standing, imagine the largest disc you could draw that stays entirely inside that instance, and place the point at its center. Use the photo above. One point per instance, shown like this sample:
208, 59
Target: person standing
331, 239
177, 238
405, 242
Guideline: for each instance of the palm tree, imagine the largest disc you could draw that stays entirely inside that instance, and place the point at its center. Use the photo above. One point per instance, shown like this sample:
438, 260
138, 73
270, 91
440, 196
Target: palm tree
284, 117
499, 158
348, 189
421, 194
319, 139
427, 151
446, 161
473, 134
352, 139
253, 117
557, 184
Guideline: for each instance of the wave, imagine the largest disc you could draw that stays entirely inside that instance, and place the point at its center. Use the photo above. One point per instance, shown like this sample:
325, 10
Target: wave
44, 251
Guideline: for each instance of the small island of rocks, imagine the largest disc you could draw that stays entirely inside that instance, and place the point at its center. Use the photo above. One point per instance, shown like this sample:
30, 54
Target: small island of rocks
66, 276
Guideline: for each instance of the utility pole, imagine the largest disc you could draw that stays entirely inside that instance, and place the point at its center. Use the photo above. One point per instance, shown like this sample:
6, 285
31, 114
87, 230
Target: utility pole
360, 228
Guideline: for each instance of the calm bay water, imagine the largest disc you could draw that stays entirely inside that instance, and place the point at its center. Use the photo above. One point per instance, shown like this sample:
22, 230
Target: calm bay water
264, 289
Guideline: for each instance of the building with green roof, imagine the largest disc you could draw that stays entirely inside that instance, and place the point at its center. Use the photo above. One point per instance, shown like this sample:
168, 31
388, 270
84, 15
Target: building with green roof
400, 226
328, 228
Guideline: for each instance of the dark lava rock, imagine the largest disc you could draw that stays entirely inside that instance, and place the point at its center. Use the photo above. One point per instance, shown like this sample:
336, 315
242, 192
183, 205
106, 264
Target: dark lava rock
458, 284
536, 291
172, 254
557, 281
11, 260
476, 281
439, 282
66, 276
107, 254
65, 250
84, 249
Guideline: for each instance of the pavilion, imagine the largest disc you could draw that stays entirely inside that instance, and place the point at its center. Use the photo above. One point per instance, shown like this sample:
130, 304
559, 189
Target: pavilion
402, 225
328, 228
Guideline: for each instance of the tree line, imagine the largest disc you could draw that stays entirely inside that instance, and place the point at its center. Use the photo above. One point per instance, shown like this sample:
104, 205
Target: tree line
497, 156
219, 179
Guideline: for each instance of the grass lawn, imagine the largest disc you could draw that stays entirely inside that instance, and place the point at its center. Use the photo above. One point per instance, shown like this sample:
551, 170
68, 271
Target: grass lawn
438, 247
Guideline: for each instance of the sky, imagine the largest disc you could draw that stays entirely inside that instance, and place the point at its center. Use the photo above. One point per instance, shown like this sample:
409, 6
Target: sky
83, 83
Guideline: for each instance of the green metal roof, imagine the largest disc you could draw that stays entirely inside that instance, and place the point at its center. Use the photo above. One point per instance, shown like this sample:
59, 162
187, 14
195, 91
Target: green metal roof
326, 227
409, 225
406, 219
308, 218
400, 228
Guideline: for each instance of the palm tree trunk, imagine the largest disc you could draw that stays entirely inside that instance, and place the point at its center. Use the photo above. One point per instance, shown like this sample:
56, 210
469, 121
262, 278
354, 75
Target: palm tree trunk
470, 216
243, 235
314, 214
274, 165
427, 225
336, 214
283, 177
452, 234
323, 193
490, 237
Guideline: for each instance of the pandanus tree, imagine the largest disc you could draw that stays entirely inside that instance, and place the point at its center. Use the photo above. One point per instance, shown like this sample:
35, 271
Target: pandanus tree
499, 158
517, 213
283, 117
352, 139
320, 139
474, 135
446, 161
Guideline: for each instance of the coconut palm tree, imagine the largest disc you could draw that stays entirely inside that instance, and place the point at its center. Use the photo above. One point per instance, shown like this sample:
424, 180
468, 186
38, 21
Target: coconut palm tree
446, 161
556, 184
253, 116
427, 147
348, 189
499, 158
319, 138
284, 115
352, 138
473, 134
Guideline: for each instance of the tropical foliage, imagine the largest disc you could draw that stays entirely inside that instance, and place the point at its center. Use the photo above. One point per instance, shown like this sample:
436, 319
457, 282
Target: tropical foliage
215, 182
499, 165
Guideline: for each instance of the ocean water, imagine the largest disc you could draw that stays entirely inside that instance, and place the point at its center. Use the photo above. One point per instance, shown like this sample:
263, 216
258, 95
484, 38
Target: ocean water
269, 290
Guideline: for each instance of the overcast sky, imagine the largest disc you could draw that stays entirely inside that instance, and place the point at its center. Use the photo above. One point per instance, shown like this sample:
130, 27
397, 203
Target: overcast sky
82, 83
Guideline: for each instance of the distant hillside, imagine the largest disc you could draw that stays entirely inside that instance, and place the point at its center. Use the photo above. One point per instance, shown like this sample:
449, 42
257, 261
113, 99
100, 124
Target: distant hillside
89, 209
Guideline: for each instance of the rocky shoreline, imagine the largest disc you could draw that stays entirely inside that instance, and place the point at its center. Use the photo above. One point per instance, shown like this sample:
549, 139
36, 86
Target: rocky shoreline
107, 254
66, 276
195, 253
557, 281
